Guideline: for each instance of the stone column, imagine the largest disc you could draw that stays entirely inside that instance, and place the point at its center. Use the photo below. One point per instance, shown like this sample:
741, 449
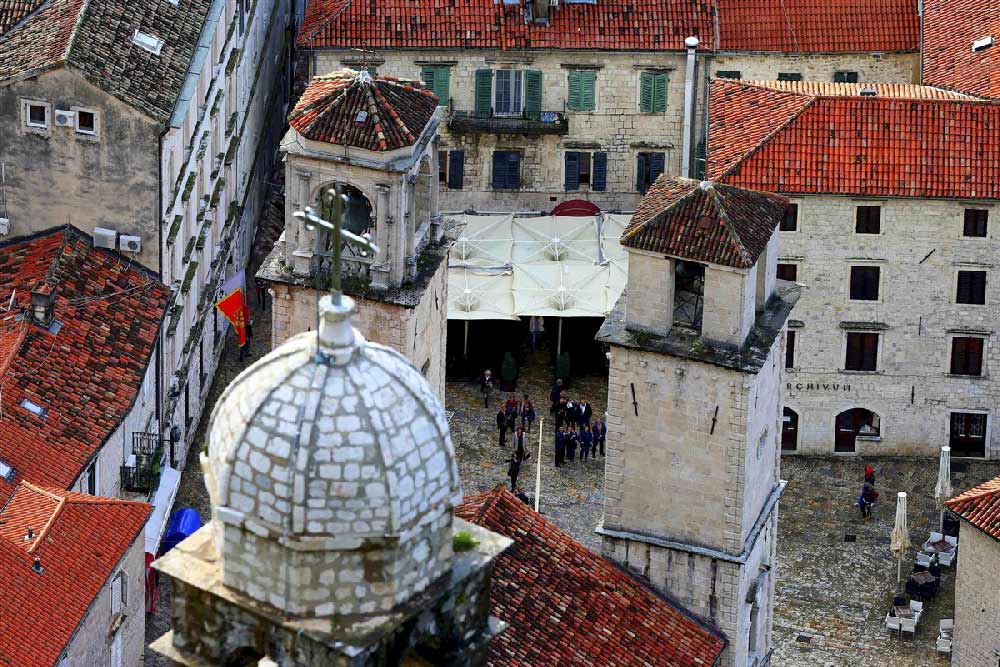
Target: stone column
437, 221
299, 242
380, 271
410, 270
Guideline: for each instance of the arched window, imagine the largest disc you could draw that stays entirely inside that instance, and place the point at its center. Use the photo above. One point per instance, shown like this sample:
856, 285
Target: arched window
853, 423
789, 430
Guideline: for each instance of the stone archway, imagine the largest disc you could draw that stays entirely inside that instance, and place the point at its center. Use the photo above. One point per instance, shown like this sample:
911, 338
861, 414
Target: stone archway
789, 430
852, 423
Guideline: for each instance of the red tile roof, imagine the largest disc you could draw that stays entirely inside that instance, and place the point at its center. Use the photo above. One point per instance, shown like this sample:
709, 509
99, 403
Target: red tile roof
907, 91
634, 25
567, 606
767, 139
638, 25
12, 11
393, 112
980, 506
704, 222
79, 540
87, 375
824, 26
950, 28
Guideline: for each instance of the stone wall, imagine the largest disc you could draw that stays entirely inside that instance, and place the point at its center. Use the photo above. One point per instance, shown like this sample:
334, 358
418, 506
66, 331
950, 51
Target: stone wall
977, 601
419, 333
871, 67
91, 643
919, 251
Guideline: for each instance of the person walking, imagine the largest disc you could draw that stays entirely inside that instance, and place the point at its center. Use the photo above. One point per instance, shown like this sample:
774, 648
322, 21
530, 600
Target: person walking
586, 413
536, 325
527, 411
870, 475
261, 290
520, 442
868, 497
561, 412
572, 413
502, 426
486, 386
517, 457
586, 441
560, 445
572, 440
555, 394
600, 434
510, 413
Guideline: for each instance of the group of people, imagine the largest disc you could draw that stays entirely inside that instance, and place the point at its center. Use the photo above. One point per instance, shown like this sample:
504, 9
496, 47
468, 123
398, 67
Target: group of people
868, 494
575, 427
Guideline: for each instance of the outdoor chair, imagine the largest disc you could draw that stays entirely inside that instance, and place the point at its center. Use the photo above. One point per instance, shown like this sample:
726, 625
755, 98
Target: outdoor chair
947, 558
934, 537
953, 541
947, 625
908, 625
892, 623
917, 607
924, 561
944, 638
943, 645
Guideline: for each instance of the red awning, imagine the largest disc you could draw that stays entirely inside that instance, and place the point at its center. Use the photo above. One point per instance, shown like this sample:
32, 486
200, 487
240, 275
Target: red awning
580, 207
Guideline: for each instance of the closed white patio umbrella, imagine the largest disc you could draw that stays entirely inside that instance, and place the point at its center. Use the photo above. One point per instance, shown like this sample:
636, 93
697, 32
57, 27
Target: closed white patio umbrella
942, 490
900, 538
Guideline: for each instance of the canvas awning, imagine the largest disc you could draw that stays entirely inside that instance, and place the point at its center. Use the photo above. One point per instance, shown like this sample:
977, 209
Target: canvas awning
503, 267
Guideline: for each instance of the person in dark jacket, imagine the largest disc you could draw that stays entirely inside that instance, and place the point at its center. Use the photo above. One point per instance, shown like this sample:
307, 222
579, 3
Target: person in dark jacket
572, 413
586, 441
527, 411
555, 394
560, 445
870, 475
520, 444
518, 457
502, 426
561, 412
868, 497
600, 434
572, 440
511, 413
486, 386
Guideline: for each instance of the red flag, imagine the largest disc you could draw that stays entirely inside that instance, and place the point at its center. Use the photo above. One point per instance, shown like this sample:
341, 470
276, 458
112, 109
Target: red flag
233, 305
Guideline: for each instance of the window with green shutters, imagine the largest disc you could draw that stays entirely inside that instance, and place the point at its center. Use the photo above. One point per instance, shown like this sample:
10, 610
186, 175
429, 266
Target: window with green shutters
582, 95
437, 79
484, 93
533, 94
653, 92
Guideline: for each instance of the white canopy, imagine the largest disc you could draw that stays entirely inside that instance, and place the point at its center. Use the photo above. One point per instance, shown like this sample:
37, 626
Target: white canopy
503, 267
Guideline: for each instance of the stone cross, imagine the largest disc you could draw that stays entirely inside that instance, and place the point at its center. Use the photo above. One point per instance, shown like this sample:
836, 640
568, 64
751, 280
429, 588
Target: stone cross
340, 236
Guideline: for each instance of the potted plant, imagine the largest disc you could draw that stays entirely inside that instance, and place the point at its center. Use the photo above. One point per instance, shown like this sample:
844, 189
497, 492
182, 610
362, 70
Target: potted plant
508, 372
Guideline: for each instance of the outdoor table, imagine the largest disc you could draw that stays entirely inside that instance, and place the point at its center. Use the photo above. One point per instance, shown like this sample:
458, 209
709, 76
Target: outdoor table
903, 611
940, 546
923, 578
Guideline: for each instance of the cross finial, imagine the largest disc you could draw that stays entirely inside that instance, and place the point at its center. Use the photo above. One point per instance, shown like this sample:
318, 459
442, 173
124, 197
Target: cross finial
336, 199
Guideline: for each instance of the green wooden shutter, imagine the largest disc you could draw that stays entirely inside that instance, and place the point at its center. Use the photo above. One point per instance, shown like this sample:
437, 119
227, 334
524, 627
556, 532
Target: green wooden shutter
427, 76
484, 93
588, 95
659, 92
533, 94
572, 169
574, 101
442, 84
646, 92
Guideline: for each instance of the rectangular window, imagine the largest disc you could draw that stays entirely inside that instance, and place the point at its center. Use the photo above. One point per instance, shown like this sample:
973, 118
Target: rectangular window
456, 170
86, 122
649, 168
788, 272
975, 222
437, 80
506, 170
845, 77
790, 349
653, 92
868, 220
864, 283
862, 351
90, 479
790, 222
967, 355
484, 93
507, 97
971, 287
582, 168
36, 115
729, 74
789, 76
582, 95
443, 167
968, 434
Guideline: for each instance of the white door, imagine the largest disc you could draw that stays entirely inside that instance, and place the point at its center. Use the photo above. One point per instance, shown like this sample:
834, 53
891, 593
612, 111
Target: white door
116, 650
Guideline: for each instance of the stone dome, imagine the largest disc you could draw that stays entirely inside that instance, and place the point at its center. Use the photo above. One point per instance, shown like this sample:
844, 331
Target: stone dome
332, 475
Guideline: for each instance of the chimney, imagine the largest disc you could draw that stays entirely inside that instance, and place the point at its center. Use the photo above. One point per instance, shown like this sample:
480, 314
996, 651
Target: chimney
43, 301
36, 567
30, 536
692, 47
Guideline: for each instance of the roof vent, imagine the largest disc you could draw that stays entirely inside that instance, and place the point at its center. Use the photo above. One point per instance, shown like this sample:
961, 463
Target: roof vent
148, 42
361, 117
30, 535
36, 567
868, 92
43, 304
982, 43
6, 471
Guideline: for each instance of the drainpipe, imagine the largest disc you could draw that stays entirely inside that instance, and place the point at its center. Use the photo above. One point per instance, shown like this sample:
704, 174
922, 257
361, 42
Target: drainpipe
692, 45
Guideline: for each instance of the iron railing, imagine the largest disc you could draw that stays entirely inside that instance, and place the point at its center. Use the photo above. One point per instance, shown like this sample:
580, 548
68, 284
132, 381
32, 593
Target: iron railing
146, 460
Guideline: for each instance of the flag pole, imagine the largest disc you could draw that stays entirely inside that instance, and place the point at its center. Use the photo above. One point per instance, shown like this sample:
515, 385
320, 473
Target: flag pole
538, 465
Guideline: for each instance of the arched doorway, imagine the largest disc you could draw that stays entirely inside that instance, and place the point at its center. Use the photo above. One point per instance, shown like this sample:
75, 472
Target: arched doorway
789, 430
853, 423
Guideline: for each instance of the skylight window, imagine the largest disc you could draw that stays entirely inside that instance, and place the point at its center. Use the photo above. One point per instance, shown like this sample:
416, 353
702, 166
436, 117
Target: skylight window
6, 471
33, 408
982, 43
362, 117
148, 42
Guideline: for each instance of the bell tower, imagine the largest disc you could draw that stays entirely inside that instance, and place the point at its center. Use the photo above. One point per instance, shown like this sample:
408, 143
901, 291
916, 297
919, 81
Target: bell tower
694, 402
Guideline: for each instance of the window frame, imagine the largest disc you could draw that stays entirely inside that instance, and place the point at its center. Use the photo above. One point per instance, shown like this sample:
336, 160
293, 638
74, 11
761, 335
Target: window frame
442, 157
516, 92
792, 214
791, 349
654, 76
582, 107
590, 187
781, 263
953, 339
85, 480
857, 219
639, 155
26, 122
728, 74
846, 347
957, 281
789, 76
847, 76
520, 161
96, 133
850, 283
965, 223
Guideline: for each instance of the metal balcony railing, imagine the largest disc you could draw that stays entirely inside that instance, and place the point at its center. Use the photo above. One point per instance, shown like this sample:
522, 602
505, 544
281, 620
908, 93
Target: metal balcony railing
549, 122
141, 470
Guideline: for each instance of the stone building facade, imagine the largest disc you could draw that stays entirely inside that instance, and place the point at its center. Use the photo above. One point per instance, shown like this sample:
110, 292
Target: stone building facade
694, 404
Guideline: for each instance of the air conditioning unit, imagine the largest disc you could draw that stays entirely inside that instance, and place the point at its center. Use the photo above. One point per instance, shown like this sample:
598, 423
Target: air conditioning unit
105, 238
65, 118
4, 226
130, 243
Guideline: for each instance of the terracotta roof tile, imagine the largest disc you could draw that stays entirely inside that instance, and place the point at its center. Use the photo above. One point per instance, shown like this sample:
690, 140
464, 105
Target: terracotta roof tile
79, 540
705, 222
826, 26
763, 139
86, 375
950, 28
980, 506
830, 89
567, 606
12, 11
392, 112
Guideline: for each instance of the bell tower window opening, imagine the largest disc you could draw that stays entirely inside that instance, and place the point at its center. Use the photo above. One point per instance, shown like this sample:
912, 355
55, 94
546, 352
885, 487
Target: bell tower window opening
689, 294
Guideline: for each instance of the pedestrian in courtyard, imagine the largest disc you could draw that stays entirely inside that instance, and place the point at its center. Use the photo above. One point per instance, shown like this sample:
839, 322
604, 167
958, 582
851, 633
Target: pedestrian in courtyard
514, 467
561, 412
510, 411
502, 426
560, 445
600, 434
536, 325
486, 386
555, 394
572, 413
261, 290
870, 475
572, 440
527, 411
586, 413
586, 441
868, 497
520, 444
